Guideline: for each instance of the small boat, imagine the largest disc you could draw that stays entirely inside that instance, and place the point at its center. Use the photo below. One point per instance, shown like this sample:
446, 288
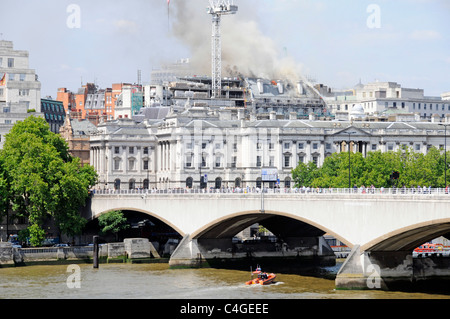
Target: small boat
263, 278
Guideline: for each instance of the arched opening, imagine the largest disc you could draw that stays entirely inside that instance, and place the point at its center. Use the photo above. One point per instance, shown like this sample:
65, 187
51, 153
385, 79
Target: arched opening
270, 238
237, 182
218, 183
117, 184
146, 184
428, 240
131, 184
139, 225
189, 182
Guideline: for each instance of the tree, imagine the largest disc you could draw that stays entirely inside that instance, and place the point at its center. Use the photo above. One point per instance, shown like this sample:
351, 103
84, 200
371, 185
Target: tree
304, 174
43, 178
113, 221
375, 169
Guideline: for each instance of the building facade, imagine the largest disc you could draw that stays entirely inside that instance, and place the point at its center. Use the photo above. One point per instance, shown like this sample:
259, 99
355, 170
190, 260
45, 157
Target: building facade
223, 150
384, 98
20, 90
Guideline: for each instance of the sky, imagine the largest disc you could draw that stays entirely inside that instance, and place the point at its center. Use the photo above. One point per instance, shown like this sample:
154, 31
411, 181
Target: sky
337, 43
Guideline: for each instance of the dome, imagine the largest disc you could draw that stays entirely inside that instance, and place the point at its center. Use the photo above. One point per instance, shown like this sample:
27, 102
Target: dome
357, 112
358, 109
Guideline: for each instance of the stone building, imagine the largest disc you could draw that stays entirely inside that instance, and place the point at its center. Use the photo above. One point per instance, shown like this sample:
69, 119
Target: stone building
225, 149
20, 90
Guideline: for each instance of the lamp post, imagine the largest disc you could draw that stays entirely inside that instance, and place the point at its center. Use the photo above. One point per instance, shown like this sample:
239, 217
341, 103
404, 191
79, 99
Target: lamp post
445, 152
349, 160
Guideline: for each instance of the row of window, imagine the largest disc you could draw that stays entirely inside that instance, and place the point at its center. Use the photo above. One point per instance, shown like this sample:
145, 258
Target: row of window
52, 107
218, 183
9, 64
131, 150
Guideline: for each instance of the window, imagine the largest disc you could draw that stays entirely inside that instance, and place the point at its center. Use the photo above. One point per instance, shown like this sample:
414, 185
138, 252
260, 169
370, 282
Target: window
189, 160
328, 146
217, 146
217, 161
271, 146
258, 161
145, 150
146, 164
286, 145
10, 62
233, 161
374, 147
116, 150
315, 160
11, 76
315, 146
417, 147
301, 159
22, 77
287, 161
300, 146
272, 161
131, 165
390, 147
203, 146
258, 146
131, 150
203, 161
234, 146
189, 146
117, 164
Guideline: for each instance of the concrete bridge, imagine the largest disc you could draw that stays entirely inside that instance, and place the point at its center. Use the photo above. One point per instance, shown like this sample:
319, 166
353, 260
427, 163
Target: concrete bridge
381, 227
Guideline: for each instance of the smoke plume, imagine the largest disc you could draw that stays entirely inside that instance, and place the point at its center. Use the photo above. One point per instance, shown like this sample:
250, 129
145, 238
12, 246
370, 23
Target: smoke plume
245, 49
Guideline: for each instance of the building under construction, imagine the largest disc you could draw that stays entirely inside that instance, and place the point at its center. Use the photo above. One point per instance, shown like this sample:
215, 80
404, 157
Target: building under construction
261, 98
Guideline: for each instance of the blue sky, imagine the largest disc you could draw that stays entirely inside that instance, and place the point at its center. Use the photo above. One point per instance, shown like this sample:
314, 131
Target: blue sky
328, 40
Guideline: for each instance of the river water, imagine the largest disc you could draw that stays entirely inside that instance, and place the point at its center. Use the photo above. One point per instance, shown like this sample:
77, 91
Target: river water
157, 281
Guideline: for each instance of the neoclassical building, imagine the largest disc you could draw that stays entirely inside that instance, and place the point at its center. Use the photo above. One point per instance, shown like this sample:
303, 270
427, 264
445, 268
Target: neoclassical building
223, 148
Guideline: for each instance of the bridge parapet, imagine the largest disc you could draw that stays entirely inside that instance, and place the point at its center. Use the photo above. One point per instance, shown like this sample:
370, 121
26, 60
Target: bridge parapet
281, 191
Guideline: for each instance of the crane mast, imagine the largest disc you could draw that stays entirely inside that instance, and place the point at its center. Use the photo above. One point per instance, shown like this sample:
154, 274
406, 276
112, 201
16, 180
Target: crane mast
218, 8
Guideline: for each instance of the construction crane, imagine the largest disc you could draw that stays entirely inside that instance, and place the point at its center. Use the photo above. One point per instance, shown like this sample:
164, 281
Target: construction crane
218, 8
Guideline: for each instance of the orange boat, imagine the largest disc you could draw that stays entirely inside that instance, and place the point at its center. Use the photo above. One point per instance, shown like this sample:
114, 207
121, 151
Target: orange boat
262, 278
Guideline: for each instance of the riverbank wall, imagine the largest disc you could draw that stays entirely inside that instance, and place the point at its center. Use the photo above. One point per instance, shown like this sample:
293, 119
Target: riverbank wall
132, 250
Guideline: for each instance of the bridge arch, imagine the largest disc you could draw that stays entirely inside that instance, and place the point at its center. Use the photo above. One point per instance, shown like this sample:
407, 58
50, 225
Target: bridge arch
410, 237
279, 223
146, 212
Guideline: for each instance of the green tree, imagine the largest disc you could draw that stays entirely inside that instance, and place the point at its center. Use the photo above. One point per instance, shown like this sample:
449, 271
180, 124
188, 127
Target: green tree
43, 178
113, 221
375, 169
304, 174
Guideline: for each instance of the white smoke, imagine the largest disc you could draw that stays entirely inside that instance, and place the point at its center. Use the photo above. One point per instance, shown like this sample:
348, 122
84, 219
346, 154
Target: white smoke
245, 49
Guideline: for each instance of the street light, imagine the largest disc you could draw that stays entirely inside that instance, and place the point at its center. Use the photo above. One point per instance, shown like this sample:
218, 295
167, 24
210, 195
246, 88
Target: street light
445, 151
349, 160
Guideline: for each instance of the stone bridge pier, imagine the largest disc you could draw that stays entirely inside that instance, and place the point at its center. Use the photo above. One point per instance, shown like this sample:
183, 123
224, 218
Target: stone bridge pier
222, 252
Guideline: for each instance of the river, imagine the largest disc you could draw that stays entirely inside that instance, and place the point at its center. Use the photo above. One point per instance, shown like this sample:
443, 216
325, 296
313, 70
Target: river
157, 281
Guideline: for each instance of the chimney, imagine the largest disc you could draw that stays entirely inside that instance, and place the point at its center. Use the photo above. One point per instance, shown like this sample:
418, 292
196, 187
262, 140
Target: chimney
280, 87
260, 86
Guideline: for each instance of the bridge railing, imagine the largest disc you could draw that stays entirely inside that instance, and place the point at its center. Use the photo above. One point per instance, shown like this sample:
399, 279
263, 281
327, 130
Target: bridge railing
255, 190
